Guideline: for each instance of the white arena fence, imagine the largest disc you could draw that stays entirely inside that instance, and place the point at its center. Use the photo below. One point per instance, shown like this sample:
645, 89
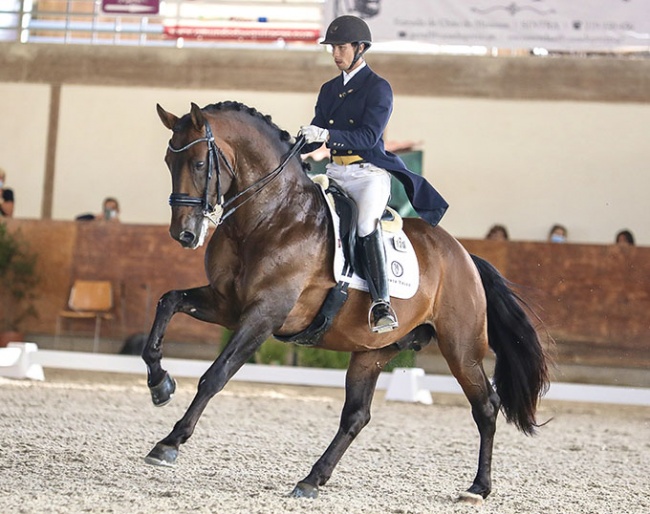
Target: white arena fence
26, 361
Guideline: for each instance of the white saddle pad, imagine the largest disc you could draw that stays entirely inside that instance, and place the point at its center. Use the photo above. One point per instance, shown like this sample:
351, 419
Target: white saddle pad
402, 264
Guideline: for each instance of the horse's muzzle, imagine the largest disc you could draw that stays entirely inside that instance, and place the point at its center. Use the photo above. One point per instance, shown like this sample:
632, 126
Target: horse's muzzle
187, 239
190, 235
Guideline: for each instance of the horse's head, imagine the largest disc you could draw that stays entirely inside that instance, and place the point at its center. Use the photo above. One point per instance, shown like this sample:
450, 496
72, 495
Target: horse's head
195, 163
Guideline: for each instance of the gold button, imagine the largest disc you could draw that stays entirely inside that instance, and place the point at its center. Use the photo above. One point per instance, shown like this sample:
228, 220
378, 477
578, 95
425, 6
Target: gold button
331, 122
334, 152
349, 152
351, 122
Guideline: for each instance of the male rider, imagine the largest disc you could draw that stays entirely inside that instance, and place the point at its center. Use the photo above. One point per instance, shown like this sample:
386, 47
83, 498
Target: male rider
352, 112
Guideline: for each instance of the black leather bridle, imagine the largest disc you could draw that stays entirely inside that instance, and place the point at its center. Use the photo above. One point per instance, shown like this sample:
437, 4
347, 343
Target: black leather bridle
215, 155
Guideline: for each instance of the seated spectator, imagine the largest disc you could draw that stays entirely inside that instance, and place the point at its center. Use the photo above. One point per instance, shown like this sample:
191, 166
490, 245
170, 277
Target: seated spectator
625, 238
110, 209
497, 233
6, 197
558, 234
110, 212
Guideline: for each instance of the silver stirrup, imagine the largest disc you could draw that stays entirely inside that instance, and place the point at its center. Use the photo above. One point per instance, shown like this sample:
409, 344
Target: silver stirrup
387, 325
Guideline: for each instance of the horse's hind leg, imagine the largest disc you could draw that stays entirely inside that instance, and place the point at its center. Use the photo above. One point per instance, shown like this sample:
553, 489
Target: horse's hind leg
360, 383
465, 362
198, 303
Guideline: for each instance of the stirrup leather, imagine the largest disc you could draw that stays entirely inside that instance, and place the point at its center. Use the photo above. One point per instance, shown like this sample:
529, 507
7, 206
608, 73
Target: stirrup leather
382, 317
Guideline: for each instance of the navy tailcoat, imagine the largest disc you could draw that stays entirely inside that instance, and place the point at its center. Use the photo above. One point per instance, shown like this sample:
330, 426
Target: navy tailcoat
356, 115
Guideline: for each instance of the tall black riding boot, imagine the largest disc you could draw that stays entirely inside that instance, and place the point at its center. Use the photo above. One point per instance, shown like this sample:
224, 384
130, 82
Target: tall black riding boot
382, 317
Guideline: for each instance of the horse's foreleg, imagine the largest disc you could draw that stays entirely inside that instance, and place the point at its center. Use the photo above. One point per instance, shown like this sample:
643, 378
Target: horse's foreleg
198, 303
360, 383
242, 345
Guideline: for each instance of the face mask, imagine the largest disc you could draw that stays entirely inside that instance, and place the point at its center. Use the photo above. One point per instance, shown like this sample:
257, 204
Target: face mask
109, 214
1, 184
558, 238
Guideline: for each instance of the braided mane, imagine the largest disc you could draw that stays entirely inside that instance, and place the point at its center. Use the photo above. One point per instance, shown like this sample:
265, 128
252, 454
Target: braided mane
230, 105
283, 135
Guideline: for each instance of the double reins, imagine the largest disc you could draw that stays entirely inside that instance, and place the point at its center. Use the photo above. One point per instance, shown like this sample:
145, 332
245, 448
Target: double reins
215, 155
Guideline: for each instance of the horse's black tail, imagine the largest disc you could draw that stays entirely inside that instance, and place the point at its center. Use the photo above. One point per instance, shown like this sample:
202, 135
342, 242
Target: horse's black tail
521, 372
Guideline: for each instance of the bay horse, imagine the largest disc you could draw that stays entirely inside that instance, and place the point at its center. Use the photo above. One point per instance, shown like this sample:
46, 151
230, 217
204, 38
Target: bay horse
269, 268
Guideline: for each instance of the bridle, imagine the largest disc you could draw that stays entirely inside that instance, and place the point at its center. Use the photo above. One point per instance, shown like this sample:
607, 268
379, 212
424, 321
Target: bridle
224, 208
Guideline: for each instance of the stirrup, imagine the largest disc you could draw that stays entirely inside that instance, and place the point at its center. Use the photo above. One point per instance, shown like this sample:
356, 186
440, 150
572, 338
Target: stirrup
384, 320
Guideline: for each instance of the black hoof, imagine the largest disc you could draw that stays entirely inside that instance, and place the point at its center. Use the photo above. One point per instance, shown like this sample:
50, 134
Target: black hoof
305, 490
162, 455
162, 393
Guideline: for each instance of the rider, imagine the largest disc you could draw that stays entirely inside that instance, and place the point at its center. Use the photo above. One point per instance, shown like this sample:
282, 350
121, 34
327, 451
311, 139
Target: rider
351, 114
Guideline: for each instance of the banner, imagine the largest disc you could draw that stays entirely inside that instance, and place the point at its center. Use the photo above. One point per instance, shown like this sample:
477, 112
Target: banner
571, 25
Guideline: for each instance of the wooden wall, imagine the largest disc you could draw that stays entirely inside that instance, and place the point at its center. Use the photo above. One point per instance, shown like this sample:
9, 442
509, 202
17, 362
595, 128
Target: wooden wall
593, 299
142, 262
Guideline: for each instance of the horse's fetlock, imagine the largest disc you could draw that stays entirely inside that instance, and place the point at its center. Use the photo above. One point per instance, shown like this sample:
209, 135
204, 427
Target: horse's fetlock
355, 423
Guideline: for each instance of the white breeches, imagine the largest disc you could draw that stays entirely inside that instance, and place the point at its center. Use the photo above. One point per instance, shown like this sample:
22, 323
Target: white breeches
368, 186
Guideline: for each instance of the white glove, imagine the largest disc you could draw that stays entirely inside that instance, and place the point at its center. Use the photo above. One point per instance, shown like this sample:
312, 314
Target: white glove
314, 134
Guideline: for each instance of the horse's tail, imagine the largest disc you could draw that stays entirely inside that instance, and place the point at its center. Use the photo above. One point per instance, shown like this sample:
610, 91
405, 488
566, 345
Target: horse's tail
521, 371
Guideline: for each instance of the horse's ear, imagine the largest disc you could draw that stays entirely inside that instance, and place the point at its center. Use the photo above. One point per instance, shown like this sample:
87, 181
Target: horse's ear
196, 115
168, 119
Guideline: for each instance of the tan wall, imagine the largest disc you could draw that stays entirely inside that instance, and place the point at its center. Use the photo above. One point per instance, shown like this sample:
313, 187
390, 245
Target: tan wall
527, 142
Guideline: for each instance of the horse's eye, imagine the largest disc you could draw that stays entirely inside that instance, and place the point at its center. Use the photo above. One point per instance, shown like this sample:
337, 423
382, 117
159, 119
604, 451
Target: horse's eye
199, 165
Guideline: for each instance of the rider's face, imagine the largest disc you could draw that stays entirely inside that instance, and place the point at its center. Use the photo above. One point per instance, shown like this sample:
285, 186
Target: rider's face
344, 55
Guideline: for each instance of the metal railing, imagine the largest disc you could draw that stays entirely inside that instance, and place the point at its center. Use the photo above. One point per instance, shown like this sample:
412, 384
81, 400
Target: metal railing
202, 23
161, 22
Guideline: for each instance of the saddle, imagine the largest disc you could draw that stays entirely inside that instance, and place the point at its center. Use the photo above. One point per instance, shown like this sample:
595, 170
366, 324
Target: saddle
349, 272
346, 209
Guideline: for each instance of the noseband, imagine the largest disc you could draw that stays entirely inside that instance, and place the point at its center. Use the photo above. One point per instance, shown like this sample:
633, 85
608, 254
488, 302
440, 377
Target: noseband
214, 155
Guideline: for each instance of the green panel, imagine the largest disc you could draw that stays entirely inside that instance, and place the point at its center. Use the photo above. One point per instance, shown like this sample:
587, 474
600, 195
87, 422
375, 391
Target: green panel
398, 198
317, 167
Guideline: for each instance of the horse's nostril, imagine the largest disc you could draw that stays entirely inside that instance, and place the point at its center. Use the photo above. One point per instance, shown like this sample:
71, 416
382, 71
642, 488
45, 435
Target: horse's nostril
186, 238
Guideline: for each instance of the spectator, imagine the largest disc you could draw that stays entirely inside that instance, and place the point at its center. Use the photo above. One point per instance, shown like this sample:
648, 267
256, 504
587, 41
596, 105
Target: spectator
110, 211
497, 233
558, 234
6, 197
625, 238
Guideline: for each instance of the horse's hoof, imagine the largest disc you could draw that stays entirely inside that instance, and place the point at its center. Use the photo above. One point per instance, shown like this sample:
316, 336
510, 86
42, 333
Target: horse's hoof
163, 393
305, 490
162, 455
470, 498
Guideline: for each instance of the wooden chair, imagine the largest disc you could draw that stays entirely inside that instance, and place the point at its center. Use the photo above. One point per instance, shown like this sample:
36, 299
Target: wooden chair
89, 299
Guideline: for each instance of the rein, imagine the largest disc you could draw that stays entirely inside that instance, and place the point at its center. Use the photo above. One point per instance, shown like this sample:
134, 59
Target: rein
214, 155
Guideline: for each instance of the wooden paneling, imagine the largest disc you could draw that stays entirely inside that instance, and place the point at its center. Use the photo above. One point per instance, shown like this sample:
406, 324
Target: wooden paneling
142, 262
593, 299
